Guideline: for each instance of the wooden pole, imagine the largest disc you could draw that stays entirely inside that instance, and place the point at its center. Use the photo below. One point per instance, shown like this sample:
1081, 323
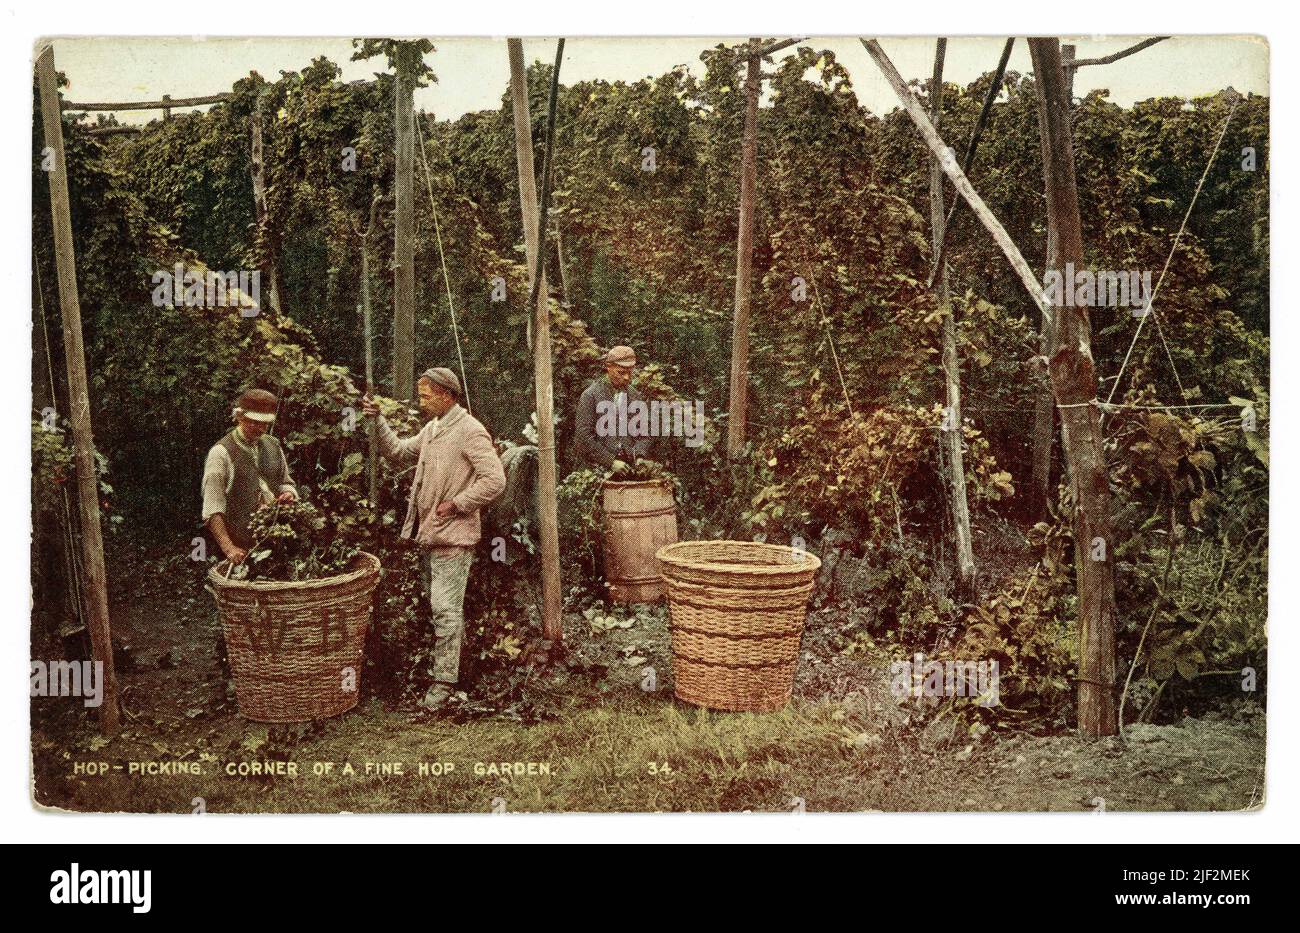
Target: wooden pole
83, 441
1074, 384
739, 392
404, 231
372, 461
951, 435
552, 622
166, 103
1040, 483
261, 213
1123, 53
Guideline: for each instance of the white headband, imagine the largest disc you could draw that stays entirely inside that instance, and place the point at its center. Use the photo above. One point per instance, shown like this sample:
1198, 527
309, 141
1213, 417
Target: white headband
254, 415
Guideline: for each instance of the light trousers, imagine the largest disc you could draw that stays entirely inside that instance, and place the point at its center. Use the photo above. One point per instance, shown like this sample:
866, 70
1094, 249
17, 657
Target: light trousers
445, 575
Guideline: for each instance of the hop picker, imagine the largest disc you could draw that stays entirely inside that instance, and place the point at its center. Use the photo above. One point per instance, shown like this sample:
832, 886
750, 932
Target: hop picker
457, 473
245, 470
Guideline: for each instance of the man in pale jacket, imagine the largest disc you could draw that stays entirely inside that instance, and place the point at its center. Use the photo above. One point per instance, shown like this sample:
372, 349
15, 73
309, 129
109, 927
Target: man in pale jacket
457, 473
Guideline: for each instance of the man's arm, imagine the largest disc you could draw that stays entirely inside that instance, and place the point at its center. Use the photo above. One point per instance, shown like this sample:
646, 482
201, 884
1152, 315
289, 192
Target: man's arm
216, 473
402, 452
489, 476
216, 476
217, 525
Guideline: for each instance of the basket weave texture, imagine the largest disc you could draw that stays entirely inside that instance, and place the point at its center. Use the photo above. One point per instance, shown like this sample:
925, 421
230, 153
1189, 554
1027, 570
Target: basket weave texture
296, 649
737, 610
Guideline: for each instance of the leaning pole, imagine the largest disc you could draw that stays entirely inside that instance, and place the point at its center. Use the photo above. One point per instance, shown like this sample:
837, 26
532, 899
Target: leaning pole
83, 441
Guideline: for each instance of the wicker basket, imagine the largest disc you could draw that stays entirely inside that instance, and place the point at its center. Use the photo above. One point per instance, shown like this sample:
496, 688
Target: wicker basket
738, 611
296, 648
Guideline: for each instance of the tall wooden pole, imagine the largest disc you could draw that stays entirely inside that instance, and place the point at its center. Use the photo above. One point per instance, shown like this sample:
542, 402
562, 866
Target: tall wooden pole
83, 442
261, 212
1074, 383
372, 452
552, 628
404, 231
1074, 380
1044, 406
951, 435
739, 393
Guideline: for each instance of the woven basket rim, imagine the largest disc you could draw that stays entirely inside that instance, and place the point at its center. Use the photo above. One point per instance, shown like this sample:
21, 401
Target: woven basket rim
370, 566
809, 564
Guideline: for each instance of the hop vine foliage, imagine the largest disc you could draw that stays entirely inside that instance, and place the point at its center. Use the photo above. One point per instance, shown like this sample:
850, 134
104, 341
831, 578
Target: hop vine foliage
294, 542
648, 259
642, 470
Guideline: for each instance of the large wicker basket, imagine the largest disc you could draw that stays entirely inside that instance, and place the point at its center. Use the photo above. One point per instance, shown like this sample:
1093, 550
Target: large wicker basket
296, 649
738, 610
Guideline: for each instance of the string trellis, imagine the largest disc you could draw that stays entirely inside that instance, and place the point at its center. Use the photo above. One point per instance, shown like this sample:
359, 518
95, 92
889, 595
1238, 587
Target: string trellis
1150, 311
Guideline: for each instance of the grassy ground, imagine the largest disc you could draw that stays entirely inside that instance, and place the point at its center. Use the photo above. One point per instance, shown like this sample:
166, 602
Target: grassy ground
843, 744
650, 754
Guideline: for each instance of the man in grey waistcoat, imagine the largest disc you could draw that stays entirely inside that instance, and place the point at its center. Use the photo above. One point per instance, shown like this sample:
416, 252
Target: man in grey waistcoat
245, 470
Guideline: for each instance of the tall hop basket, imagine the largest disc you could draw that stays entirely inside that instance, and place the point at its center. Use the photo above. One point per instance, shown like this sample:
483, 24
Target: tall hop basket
296, 649
738, 610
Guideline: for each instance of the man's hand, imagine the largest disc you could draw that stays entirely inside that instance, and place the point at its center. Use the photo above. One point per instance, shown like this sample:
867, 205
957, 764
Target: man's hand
445, 509
234, 553
368, 407
286, 497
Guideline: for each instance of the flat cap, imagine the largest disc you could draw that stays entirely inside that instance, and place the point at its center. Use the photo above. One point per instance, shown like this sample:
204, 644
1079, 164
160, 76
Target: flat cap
621, 356
442, 376
257, 404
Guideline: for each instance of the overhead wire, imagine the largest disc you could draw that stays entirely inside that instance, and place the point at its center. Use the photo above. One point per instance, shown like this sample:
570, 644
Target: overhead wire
442, 258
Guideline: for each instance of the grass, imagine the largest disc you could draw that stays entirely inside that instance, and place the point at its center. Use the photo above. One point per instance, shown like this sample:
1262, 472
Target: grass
637, 754
648, 753
842, 744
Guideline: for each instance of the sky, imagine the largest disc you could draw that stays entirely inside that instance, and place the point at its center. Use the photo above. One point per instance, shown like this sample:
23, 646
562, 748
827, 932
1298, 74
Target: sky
473, 72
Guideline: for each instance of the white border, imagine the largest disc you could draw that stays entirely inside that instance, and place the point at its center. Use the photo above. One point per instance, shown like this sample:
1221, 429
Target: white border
24, 23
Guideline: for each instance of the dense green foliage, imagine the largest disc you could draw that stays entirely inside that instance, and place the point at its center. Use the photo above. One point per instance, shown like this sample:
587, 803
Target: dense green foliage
294, 541
845, 376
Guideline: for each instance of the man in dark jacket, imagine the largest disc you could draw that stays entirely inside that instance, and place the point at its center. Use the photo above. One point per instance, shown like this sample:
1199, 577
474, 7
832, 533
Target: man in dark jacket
600, 439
